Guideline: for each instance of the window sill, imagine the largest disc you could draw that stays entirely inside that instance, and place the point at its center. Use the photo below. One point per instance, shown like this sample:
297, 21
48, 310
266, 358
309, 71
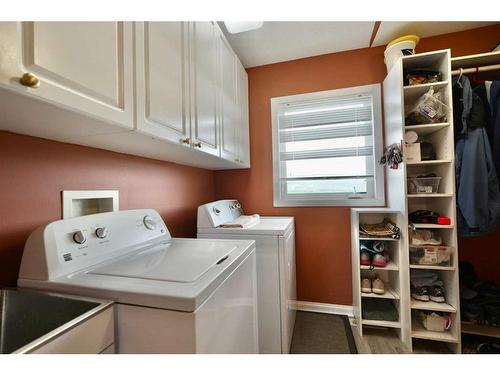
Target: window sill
333, 203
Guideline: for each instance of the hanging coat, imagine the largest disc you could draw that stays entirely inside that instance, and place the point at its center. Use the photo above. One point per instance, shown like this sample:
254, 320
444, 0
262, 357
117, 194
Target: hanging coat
478, 196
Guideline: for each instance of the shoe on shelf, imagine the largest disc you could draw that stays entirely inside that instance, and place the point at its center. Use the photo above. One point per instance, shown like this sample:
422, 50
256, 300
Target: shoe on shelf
379, 260
489, 348
436, 294
364, 258
366, 285
378, 286
421, 293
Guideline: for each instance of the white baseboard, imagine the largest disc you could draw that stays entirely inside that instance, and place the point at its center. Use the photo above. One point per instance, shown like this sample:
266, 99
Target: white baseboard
325, 308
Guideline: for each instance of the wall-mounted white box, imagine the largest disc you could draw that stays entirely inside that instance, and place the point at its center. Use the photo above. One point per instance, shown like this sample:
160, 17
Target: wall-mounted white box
87, 202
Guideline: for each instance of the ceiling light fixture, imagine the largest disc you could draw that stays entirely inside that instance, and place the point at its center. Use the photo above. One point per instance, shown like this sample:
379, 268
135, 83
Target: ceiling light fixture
240, 27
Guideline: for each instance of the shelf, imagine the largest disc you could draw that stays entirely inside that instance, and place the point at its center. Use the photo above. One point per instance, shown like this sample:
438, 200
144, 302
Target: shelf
432, 226
389, 294
425, 86
436, 268
480, 329
419, 332
471, 61
428, 162
378, 239
420, 346
427, 128
433, 306
391, 266
431, 195
412, 93
380, 323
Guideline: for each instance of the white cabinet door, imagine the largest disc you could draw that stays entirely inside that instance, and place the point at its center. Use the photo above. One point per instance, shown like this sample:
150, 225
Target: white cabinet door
243, 129
162, 77
204, 125
228, 101
83, 66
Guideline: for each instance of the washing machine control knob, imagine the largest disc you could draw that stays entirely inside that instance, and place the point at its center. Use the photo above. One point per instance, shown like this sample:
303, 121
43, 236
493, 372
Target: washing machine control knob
149, 222
79, 237
101, 232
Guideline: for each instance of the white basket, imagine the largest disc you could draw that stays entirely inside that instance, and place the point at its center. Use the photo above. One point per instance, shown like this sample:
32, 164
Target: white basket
423, 185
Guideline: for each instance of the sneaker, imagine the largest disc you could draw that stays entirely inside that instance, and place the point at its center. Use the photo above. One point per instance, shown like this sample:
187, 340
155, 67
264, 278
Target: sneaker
436, 294
364, 258
489, 348
378, 286
366, 285
379, 260
420, 293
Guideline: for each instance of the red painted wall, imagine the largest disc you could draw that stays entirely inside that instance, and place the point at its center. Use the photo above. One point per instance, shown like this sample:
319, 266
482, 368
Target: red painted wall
34, 171
323, 234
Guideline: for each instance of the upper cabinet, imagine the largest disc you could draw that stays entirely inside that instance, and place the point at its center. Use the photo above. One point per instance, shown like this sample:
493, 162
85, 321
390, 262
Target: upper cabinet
167, 90
228, 101
162, 62
233, 106
87, 66
243, 116
204, 87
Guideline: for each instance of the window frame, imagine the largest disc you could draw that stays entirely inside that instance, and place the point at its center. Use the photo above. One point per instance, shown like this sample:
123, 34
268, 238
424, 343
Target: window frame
331, 200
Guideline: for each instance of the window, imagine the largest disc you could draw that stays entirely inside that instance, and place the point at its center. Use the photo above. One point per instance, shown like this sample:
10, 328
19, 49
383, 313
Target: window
326, 147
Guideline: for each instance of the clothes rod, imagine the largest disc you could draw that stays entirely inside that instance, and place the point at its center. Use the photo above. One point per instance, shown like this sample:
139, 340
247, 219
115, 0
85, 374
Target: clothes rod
487, 68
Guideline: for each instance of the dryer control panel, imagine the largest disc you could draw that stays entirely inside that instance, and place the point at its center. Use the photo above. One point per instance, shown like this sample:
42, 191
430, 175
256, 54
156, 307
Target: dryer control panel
214, 214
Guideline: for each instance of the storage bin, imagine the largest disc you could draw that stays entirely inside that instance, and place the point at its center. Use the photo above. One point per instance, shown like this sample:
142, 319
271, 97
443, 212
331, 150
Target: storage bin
431, 255
423, 185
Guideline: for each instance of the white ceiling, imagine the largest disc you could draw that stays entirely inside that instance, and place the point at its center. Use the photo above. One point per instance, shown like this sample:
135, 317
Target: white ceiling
391, 30
283, 41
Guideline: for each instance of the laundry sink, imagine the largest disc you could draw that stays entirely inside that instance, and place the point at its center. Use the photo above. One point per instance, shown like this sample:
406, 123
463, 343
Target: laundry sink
30, 319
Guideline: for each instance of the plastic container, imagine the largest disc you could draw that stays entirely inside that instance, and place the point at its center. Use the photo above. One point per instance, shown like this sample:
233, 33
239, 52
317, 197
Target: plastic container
393, 52
423, 185
429, 255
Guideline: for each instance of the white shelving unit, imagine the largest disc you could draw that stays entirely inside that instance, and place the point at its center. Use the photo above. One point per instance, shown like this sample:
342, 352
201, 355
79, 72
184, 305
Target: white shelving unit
414, 337
391, 274
397, 96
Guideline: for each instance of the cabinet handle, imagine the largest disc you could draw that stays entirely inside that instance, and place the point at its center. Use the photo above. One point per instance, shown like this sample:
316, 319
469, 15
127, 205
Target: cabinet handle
29, 80
185, 140
196, 144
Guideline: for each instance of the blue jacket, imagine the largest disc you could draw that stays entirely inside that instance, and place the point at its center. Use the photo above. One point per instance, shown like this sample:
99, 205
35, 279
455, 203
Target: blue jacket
478, 195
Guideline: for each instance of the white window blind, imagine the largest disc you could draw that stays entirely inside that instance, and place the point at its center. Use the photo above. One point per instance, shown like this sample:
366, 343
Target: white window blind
325, 148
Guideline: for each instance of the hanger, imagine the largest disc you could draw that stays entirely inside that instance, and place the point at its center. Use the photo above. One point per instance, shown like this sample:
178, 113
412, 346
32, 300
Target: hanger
460, 76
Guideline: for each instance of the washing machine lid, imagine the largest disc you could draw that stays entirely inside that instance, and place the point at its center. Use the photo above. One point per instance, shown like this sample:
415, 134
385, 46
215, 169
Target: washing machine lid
177, 262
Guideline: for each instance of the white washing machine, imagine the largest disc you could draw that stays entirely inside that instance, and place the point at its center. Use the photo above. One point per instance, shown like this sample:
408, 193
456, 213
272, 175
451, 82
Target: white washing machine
276, 291
174, 295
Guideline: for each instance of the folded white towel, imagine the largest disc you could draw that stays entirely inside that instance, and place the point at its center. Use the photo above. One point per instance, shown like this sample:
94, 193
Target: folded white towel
244, 221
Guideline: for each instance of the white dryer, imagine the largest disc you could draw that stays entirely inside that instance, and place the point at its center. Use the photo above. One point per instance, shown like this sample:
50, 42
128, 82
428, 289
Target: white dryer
174, 295
275, 247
